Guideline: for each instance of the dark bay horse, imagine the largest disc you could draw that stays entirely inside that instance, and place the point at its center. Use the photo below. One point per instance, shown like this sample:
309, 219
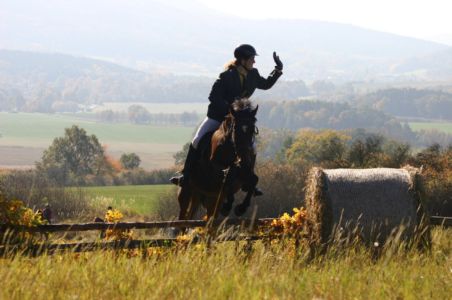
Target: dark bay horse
226, 166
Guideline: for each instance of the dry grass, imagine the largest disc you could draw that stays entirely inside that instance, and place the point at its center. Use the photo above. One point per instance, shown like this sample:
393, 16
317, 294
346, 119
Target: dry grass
224, 273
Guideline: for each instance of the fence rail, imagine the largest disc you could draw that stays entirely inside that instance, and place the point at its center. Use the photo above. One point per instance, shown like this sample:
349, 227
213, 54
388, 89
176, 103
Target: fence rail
134, 225
441, 221
435, 220
50, 248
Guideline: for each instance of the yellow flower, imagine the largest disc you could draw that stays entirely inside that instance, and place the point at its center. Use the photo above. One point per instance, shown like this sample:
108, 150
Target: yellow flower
289, 224
113, 216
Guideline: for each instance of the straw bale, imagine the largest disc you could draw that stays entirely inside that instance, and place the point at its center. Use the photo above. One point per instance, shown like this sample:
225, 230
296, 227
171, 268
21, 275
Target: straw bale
372, 201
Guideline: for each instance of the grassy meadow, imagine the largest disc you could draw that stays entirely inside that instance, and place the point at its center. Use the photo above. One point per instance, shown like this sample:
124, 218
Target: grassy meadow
222, 272
137, 199
24, 136
442, 126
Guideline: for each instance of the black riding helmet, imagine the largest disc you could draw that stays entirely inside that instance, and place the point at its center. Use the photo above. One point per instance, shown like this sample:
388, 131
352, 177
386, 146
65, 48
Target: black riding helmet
244, 51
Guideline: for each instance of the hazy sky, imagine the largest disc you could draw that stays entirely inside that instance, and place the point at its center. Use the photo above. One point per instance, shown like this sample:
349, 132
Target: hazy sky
429, 19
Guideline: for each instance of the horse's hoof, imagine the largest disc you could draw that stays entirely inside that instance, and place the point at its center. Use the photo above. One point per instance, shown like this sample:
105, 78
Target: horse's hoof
226, 209
257, 192
173, 232
240, 210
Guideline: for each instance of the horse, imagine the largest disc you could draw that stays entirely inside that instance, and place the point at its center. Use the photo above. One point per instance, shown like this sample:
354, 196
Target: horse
225, 166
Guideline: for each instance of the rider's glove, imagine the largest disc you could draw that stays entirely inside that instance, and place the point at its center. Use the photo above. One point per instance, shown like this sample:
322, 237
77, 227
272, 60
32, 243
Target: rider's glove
279, 64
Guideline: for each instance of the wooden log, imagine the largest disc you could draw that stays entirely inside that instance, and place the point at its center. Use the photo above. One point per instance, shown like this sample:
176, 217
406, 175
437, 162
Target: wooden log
134, 225
436, 220
441, 221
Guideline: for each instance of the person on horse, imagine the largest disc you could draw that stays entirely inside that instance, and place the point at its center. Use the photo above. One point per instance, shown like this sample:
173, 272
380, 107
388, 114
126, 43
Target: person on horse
239, 80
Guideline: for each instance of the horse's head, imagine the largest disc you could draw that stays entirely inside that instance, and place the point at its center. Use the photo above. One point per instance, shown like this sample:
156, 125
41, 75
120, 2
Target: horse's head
244, 128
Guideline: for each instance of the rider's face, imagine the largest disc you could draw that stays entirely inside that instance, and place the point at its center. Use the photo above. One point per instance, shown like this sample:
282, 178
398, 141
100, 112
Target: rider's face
248, 63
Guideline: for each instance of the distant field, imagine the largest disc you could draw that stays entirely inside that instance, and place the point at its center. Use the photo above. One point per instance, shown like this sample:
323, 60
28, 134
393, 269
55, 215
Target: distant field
446, 127
32, 133
155, 108
138, 198
48, 126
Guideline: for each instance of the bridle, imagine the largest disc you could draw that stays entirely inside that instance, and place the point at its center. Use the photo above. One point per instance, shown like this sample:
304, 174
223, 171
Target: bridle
240, 149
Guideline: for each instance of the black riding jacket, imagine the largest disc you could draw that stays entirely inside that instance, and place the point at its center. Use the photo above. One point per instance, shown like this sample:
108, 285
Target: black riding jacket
228, 88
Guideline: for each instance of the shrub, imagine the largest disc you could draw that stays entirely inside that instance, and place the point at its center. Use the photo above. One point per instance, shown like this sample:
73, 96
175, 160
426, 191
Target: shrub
167, 207
36, 191
282, 185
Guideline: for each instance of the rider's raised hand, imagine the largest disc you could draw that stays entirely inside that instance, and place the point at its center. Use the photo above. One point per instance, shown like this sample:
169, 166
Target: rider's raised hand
279, 64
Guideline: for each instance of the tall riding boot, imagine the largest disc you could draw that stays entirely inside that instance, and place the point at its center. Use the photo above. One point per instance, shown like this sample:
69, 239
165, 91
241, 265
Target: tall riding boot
189, 164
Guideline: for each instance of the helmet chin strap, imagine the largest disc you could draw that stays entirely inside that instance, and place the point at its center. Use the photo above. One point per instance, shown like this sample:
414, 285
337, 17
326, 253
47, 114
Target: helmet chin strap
243, 65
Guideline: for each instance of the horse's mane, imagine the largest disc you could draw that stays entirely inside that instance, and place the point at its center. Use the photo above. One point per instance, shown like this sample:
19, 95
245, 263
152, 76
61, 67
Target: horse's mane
226, 128
242, 104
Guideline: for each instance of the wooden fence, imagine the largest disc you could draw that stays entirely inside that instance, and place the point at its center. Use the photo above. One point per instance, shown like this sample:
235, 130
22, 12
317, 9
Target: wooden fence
435, 220
135, 225
130, 244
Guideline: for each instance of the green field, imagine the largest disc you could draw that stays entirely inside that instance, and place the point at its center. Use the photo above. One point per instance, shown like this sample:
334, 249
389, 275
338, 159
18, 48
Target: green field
442, 126
45, 127
139, 199
32, 133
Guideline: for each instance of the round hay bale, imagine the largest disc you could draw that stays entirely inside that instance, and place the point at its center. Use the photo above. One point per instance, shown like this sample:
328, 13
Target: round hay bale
372, 202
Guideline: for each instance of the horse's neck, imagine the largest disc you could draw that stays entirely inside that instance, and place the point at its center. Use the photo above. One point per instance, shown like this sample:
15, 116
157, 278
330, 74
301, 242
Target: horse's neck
226, 128
222, 150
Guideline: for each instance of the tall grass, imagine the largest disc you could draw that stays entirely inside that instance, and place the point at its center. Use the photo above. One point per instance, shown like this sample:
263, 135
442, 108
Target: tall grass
224, 273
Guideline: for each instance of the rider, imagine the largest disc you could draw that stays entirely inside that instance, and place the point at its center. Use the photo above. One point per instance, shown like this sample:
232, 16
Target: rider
239, 80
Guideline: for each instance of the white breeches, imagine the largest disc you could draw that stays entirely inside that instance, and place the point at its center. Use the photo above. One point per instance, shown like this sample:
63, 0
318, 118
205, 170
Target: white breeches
206, 126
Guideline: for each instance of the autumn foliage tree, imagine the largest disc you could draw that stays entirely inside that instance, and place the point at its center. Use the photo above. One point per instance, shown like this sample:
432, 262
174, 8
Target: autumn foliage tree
130, 161
327, 147
72, 157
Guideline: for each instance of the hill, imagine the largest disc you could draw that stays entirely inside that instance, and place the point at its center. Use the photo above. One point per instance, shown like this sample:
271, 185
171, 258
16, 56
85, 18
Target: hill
44, 82
185, 37
409, 103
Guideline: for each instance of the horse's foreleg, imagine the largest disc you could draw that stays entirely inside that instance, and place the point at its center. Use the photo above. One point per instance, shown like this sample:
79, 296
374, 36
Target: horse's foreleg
183, 197
193, 207
249, 180
242, 207
227, 206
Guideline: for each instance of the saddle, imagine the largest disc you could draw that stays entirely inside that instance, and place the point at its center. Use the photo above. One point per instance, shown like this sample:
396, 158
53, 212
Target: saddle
207, 174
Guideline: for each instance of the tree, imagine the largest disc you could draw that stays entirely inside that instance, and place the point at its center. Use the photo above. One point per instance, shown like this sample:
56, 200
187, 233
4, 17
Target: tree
326, 147
70, 158
179, 157
139, 114
397, 154
130, 161
366, 150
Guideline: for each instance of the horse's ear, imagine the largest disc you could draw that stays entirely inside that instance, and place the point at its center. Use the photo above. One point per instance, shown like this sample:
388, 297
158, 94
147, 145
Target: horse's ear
254, 112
